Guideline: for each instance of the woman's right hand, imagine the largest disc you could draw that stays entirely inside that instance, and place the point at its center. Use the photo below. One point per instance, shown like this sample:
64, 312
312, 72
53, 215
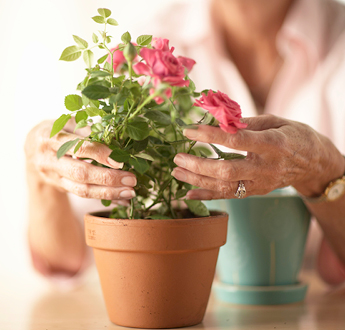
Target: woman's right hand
74, 175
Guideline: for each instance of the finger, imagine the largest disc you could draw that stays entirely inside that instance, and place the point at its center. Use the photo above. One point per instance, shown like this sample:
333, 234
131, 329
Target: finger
83, 172
207, 195
95, 191
245, 140
223, 188
122, 202
92, 150
263, 122
227, 170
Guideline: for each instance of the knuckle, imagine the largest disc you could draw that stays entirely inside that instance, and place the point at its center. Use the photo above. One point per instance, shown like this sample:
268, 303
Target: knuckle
79, 173
107, 194
82, 191
225, 190
107, 178
226, 172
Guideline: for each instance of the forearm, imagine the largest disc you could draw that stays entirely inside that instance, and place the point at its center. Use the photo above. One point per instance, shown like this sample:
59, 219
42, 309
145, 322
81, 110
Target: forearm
331, 217
55, 235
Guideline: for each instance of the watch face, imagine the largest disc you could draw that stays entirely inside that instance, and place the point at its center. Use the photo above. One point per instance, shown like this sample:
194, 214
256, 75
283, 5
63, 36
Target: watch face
336, 191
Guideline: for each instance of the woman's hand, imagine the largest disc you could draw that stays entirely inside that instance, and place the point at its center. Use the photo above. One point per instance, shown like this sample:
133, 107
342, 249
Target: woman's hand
280, 153
74, 175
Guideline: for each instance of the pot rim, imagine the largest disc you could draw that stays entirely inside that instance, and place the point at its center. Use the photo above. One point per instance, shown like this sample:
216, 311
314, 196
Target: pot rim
95, 217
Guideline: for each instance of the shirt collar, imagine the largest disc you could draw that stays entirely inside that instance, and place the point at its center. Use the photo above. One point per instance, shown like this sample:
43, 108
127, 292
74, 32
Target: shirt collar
304, 27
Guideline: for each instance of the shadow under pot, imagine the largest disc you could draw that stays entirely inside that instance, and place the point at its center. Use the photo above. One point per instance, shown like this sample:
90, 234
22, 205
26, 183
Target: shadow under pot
156, 273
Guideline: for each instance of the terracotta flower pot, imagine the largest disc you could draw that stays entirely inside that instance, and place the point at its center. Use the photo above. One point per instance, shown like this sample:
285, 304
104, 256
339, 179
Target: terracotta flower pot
156, 273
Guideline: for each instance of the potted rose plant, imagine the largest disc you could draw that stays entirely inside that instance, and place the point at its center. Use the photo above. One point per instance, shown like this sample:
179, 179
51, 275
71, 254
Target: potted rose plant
156, 258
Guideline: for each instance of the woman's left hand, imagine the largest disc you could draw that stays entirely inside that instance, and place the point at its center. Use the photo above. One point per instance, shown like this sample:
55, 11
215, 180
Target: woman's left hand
280, 153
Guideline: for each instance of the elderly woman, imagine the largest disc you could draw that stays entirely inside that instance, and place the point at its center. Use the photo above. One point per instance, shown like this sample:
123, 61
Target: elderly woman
282, 60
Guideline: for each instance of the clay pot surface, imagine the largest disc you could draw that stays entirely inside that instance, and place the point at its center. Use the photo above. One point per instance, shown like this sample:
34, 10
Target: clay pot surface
156, 273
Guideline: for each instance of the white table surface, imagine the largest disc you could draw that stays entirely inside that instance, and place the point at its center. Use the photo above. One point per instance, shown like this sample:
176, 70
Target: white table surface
27, 307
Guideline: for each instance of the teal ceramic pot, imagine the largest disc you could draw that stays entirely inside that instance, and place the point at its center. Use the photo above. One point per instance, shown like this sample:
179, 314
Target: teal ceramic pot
266, 239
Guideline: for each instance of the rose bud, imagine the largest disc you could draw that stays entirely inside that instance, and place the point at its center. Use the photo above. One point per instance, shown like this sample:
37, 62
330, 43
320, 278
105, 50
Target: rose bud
130, 52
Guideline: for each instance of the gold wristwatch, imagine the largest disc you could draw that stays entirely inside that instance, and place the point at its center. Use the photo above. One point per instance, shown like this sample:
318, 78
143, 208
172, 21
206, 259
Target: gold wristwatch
334, 190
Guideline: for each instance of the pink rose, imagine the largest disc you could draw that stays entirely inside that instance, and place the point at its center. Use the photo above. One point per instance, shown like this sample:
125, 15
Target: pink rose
162, 44
225, 110
164, 67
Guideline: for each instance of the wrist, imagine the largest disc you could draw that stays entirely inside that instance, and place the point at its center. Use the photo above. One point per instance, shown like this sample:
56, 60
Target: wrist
325, 185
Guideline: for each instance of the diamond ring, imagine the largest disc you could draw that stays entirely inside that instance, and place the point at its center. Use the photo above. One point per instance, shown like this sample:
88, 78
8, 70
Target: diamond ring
241, 190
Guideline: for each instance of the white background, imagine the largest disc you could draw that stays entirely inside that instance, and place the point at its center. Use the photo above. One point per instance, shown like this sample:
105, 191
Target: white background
33, 84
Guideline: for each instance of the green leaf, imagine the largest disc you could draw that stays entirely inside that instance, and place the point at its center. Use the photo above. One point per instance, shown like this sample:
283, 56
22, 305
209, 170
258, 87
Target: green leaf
104, 12
140, 145
180, 122
158, 117
92, 111
203, 150
112, 21
100, 74
85, 100
99, 19
97, 128
197, 207
181, 193
126, 38
88, 58
107, 66
66, 147
81, 124
227, 155
138, 129
102, 59
105, 202
70, 54
232, 155
94, 38
119, 155
218, 151
80, 42
144, 156
144, 40
77, 147
81, 115
96, 92
139, 164
73, 102
59, 124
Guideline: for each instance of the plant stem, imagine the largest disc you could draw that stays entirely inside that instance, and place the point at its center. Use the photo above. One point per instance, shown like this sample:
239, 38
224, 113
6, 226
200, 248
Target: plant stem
150, 98
131, 209
191, 146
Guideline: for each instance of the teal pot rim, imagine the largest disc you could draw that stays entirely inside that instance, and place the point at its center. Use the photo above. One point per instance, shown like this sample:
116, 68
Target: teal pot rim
281, 192
260, 295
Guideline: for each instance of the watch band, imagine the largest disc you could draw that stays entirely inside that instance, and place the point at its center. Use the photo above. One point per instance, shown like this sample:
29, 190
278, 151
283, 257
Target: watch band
324, 197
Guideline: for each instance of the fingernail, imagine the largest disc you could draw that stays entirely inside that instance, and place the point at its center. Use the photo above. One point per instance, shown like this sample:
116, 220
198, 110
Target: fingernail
127, 194
191, 133
129, 181
180, 160
114, 164
178, 174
